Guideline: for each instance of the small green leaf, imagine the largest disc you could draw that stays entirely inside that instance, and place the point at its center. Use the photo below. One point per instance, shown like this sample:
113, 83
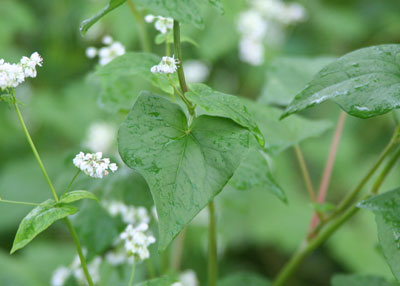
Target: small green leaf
387, 212
280, 135
364, 83
288, 75
185, 166
359, 280
254, 173
163, 281
224, 105
86, 24
38, 220
74, 196
244, 278
323, 207
161, 38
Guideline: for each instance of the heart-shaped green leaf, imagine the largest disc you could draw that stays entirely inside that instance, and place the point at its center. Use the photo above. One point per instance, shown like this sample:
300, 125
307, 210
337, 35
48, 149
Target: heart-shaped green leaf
185, 166
74, 196
364, 83
224, 105
38, 220
359, 280
86, 24
387, 212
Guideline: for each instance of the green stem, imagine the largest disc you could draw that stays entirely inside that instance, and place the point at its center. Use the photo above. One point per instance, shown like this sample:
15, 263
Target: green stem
35, 152
165, 257
308, 247
144, 37
18, 203
150, 269
132, 274
212, 247
178, 55
305, 173
80, 252
178, 250
72, 181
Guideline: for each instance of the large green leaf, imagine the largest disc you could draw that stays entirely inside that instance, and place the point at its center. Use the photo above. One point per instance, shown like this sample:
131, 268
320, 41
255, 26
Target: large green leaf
244, 278
288, 75
185, 166
359, 280
387, 211
280, 135
38, 220
125, 76
186, 11
224, 105
78, 195
86, 24
254, 173
364, 83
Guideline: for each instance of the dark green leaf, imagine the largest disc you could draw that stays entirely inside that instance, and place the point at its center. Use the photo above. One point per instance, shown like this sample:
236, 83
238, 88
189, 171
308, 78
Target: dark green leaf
280, 135
387, 212
97, 230
185, 166
163, 281
38, 220
74, 196
254, 173
287, 76
244, 278
359, 280
364, 83
224, 105
86, 24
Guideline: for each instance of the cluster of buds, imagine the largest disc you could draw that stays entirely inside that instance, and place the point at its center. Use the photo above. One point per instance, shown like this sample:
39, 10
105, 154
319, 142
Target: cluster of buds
162, 24
129, 214
137, 240
106, 54
168, 65
11, 75
94, 165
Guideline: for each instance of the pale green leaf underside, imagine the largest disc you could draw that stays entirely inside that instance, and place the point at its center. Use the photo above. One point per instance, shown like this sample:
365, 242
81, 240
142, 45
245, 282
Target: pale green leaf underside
38, 220
282, 134
359, 280
288, 75
364, 83
224, 105
244, 279
86, 24
185, 167
387, 212
254, 174
74, 196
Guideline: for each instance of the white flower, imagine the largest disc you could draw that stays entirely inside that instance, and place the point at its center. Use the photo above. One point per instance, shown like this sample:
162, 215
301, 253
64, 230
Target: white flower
93, 267
162, 24
177, 284
195, 71
251, 51
94, 165
136, 241
91, 52
167, 65
107, 40
116, 257
252, 24
29, 64
107, 54
100, 137
188, 278
60, 275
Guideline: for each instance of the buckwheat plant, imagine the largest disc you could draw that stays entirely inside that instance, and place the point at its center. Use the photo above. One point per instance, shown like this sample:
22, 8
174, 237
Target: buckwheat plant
187, 143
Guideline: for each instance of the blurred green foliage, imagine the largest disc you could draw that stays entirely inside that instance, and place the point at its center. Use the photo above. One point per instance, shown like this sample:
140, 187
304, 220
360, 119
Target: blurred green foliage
257, 232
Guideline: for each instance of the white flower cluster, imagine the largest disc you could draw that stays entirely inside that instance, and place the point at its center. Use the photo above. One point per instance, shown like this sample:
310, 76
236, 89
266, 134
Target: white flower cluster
137, 240
187, 278
167, 65
94, 165
61, 274
162, 24
100, 137
11, 75
108, 53
129, 214
265, 21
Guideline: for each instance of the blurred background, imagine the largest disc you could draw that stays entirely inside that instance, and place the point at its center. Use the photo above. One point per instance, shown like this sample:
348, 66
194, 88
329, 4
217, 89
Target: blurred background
68, 109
